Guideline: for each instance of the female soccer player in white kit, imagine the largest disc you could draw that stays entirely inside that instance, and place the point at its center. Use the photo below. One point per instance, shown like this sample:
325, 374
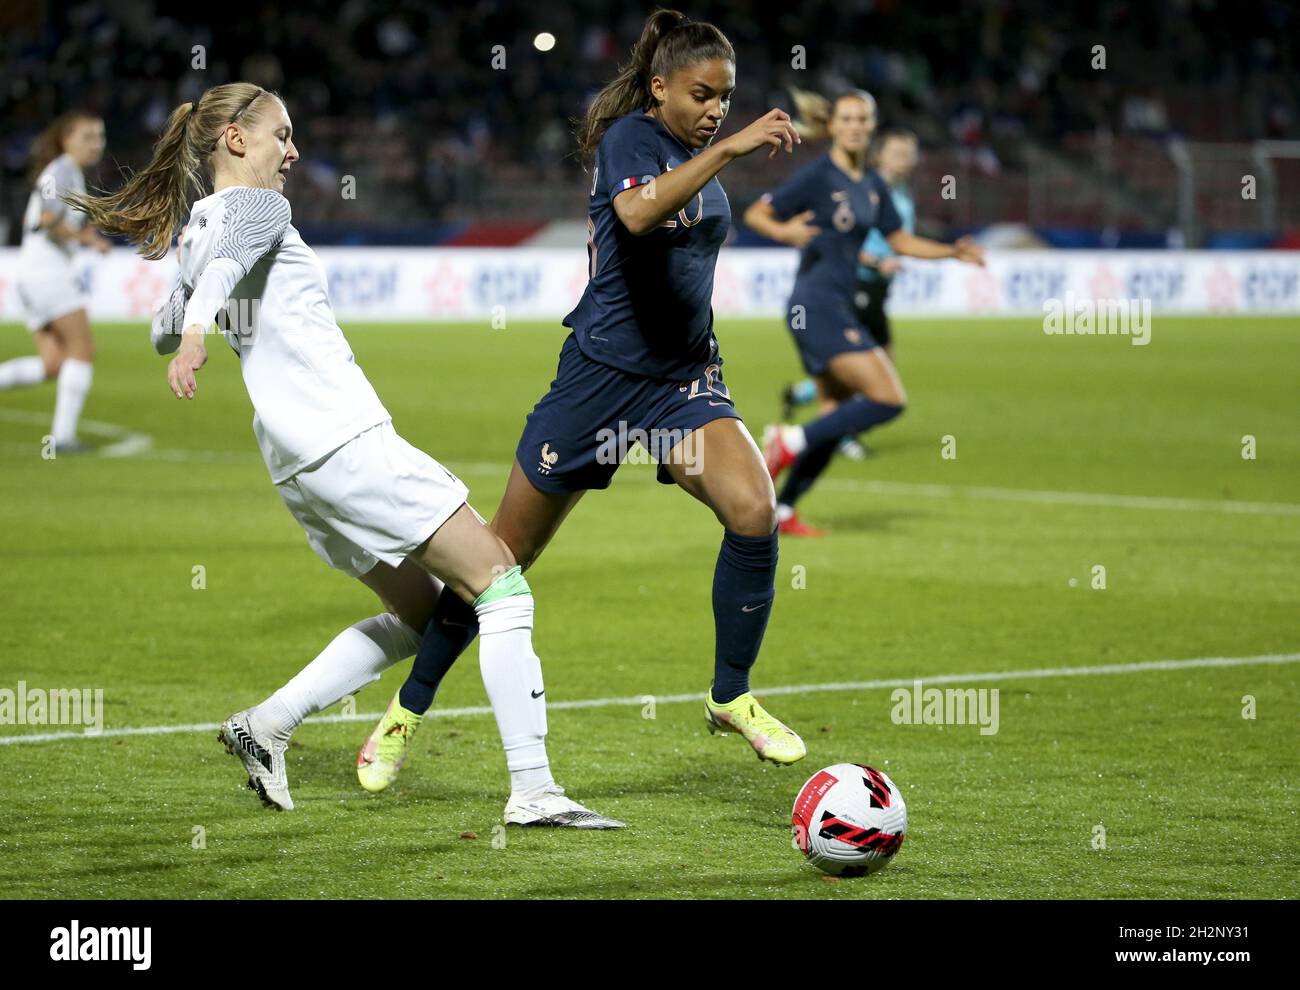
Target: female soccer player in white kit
372, 505
47, 281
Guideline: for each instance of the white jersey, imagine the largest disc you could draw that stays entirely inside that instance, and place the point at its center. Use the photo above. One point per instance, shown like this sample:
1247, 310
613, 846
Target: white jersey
40, 251
243, 263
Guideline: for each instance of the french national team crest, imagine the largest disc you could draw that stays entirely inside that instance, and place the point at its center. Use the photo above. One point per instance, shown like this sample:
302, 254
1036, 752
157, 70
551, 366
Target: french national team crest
547, 459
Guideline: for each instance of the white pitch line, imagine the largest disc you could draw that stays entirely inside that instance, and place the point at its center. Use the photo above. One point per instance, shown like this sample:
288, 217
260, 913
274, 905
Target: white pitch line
201, 456
1066, 498
129, 443
1101, 499
1038, 673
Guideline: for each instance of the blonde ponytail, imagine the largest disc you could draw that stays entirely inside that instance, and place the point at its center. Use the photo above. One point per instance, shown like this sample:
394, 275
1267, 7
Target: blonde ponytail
147, 210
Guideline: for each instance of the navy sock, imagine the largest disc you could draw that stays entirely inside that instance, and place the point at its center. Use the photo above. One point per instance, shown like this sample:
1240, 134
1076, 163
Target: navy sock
743, 590
805, 471
849, 418
451, 629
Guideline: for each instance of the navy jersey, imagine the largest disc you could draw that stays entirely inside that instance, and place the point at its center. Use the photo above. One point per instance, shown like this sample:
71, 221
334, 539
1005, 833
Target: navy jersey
845, 211
647, 308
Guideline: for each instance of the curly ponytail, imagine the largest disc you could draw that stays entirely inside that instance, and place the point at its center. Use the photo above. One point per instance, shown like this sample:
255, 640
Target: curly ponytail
669, 41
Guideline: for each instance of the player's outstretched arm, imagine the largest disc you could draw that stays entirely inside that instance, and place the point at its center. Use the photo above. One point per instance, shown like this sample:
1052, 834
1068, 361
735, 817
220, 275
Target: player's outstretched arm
965, 248
211, 291
643, 210
256, 221
797, 231
169, 319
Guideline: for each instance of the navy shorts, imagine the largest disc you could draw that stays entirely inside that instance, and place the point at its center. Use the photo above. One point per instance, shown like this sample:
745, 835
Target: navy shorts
594, 416
823, 328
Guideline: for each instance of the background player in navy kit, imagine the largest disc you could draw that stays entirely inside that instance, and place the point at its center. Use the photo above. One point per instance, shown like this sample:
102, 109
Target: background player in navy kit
894, 156
642, 357
826, 210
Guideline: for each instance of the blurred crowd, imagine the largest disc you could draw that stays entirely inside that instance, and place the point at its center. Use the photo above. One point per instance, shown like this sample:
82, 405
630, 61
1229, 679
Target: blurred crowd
406, 98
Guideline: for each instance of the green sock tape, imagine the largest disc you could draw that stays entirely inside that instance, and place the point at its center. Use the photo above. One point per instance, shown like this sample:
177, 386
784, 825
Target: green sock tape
508, 585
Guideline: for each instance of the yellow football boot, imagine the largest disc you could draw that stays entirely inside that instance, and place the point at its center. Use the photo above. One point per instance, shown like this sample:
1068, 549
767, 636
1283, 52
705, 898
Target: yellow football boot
771, 738
384, 752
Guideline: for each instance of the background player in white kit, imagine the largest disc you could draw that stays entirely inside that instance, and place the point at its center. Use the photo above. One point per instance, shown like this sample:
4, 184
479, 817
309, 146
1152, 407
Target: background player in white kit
47, 283
372, 505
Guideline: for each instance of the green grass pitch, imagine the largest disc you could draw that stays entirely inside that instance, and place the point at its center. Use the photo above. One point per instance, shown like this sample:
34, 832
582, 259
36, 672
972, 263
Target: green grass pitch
935, 567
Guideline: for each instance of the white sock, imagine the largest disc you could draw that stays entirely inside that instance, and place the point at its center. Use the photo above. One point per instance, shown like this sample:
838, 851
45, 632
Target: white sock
784, 513
21, 371
794, 439
512, 674
74, 384
356, 657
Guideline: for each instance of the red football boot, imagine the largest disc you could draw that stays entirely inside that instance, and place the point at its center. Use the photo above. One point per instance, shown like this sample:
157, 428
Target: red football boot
794, 526
776, 454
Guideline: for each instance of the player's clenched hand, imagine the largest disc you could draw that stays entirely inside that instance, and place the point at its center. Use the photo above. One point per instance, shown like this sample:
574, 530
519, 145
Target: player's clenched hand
773, 128
798, 230
967, 250
191, 356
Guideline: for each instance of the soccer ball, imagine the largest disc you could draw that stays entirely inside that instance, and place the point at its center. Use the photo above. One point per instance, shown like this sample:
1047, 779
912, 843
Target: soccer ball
849, 820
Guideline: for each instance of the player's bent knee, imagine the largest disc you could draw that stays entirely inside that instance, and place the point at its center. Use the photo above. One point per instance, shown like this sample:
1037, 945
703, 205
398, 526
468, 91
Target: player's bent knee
756, 517
887, 397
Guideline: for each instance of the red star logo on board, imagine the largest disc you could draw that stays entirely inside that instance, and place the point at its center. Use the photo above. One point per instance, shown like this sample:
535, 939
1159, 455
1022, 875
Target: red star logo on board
1221, 288
143, 288
446, 289
1105, 284
983, 289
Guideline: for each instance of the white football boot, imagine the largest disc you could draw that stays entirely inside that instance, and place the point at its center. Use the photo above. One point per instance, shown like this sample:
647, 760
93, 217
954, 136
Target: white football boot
550, 807
263, 758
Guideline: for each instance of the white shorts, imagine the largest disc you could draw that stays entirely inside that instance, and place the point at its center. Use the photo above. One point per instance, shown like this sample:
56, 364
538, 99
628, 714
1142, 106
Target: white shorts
47, 294
375, 498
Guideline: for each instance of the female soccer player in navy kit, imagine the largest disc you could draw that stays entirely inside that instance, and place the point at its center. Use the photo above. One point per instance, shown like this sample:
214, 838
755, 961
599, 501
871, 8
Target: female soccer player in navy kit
826, 210
643, 357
